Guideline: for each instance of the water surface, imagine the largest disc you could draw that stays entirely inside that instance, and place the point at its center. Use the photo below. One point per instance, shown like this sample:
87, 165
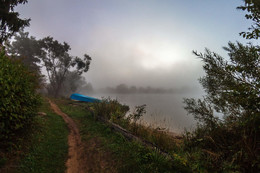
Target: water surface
163, 110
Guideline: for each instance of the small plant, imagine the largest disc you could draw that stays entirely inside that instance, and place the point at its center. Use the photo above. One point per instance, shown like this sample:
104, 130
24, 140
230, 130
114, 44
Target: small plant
110, 109
137, 114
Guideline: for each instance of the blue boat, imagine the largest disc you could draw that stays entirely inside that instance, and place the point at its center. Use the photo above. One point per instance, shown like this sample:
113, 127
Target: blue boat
83, 98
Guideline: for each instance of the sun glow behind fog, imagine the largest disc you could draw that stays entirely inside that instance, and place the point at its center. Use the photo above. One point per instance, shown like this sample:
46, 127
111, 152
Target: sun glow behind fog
159, 55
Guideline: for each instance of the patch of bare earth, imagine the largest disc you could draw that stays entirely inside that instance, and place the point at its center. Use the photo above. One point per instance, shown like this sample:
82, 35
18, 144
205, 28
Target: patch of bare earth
11, 166
100, 160
84, 156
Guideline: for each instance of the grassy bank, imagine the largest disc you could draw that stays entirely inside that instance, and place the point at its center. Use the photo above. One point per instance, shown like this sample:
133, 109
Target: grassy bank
48, 151
127, 156
42, 149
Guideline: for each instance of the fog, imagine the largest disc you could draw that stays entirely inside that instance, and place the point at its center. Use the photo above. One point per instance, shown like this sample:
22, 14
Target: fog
164, 106
144, 44
163, 110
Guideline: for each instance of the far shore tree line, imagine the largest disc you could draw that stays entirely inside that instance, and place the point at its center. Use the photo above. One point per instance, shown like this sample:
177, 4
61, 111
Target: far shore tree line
125, 89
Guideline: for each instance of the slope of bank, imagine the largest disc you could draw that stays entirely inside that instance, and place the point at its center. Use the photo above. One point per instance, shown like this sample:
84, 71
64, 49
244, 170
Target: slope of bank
46, 148
43, 148
115, 151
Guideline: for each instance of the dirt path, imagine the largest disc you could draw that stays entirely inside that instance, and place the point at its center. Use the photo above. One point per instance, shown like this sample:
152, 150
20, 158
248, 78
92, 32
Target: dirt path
75, 162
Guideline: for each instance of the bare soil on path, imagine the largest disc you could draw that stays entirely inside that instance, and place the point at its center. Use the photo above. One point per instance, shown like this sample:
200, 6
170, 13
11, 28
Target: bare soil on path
84, 156
74, 163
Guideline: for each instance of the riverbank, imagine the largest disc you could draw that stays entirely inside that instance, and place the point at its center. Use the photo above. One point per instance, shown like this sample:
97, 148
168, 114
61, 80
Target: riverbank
127, 155
114, 113
162, 110
102, 149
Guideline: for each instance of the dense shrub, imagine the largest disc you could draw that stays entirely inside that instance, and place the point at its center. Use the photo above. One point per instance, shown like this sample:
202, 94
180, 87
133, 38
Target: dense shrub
18, 98
230, 143
110, 109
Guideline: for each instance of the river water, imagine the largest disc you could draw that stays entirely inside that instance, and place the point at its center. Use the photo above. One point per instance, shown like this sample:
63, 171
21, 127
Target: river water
163, 110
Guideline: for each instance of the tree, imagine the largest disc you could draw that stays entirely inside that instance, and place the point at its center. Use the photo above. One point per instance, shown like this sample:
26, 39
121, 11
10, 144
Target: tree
58, 62
253, 9
232, 87
233, 90
73, 83
9, 20
51, 55
122, 88
27, 49
86, 88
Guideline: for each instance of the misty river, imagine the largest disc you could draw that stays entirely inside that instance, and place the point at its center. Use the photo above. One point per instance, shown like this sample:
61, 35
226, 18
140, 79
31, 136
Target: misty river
162, 110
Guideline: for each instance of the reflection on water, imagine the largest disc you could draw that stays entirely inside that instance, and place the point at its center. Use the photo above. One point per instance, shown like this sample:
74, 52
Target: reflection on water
163, 110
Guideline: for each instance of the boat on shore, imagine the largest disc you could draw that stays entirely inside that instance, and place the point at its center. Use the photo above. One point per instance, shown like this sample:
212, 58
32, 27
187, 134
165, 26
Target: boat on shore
83, 98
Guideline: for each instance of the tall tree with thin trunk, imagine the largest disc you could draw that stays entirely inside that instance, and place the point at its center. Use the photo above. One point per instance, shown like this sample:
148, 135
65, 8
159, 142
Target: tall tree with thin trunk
58, 63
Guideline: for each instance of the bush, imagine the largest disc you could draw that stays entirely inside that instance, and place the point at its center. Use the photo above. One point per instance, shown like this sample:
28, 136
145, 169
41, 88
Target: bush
230, 143
110, 109
18, 99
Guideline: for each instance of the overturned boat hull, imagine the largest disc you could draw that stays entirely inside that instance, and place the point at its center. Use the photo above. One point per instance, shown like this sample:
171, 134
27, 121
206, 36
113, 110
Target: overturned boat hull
80, 97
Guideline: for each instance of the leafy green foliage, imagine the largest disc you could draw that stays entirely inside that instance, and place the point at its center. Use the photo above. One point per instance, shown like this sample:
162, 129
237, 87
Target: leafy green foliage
51, 55
110, 109
233, 91
26, 49
58, 62
41, 148
138, 113
9, 20
132, 118
18, 100
253, 9
117, 113
72, 83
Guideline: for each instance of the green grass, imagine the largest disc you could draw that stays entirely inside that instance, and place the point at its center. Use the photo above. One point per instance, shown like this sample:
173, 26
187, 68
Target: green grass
48, 147
130, 156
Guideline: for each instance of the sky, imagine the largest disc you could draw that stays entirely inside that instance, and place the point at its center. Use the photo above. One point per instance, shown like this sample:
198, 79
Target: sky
139, 42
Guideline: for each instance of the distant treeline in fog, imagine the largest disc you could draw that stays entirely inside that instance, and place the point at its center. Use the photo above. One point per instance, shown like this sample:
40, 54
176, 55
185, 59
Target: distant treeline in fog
124, 89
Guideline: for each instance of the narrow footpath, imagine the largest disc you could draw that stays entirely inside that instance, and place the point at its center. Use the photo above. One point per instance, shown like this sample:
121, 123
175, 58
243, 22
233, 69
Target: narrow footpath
75, 162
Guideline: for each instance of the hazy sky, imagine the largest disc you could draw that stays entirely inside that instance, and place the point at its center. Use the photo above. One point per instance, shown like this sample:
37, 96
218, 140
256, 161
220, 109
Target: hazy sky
139, 42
